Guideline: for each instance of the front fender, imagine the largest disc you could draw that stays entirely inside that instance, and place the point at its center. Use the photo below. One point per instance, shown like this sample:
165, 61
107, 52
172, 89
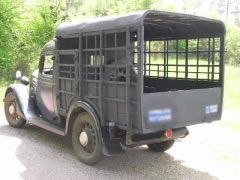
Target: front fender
22, 96
79, 106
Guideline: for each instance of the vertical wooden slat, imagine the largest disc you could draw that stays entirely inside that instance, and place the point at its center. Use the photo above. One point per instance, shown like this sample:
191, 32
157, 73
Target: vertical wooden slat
213, 58
149, 58
177, 63
197, 58
186, 58
116, 71
56, 74
164, 59
145, 58
209, 57
140, 83
129, 121
222, 63
79, 67
101, 99
222, 59
167, 58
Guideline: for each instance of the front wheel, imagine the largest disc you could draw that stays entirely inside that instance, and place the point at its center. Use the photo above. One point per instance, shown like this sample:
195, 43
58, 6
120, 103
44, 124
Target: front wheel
162, 146
10, 107
86, 139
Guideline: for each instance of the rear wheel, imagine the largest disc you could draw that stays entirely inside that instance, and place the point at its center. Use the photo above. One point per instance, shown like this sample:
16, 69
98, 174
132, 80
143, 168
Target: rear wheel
162, 146
10, 107
86, 139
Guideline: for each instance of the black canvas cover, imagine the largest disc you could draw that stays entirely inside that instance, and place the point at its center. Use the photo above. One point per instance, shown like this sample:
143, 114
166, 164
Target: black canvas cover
166, 23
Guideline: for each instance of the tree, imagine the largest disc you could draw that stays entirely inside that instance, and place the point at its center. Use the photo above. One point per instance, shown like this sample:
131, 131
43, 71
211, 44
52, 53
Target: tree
9, 12
24, 30
233, 45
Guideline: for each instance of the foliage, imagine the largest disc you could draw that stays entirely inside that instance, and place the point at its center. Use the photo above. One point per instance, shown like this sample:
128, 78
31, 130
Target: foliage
8, 22
33, 33
25, 26
232, 87
233, 45
23, 32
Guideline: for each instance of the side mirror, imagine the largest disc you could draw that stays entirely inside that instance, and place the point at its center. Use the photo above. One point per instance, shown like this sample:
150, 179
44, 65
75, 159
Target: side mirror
18, 75
24, 80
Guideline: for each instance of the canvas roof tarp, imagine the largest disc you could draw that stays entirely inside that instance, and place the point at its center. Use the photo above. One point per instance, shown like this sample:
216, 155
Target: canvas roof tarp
158, 23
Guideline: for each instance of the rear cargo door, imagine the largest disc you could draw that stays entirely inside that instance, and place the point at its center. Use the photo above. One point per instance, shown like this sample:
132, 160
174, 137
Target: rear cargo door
181, 108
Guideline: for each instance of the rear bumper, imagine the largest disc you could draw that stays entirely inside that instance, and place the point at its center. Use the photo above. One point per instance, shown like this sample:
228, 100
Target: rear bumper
157, 137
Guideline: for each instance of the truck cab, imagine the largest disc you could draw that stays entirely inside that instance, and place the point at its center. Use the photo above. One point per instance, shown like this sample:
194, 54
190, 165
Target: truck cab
44, 84
119, 82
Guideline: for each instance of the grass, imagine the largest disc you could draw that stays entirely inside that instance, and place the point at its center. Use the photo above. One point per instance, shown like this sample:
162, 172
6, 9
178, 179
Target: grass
232, 98
232, 88
231, 91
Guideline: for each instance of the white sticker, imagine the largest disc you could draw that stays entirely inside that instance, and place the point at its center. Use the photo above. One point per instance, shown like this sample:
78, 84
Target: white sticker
159, 115
211, 109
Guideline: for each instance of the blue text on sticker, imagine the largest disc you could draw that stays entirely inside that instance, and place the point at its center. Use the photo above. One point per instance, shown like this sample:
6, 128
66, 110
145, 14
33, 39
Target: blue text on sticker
211, 109
159, 115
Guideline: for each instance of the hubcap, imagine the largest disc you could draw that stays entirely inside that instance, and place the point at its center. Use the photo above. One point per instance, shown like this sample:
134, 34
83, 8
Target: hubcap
83, 138
11, 109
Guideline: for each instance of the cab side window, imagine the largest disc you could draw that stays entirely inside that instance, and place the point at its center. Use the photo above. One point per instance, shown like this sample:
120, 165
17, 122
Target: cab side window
46, 64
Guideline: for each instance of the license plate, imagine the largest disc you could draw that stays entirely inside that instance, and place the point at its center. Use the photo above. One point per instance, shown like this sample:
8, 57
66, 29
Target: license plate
159, 115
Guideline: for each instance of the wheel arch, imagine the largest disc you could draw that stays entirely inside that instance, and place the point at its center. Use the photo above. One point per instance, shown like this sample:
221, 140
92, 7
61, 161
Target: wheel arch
21, 92
77, 107
8, 90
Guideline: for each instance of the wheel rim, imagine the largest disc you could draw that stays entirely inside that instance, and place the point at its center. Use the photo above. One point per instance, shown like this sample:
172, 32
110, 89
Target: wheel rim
12, 110
83, 138
87, 138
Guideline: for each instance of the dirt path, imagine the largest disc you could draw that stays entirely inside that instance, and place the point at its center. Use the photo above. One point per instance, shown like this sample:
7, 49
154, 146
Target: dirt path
211, 151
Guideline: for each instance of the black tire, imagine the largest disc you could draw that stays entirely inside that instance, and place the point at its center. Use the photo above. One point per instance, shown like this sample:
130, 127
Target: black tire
91, 152
13, 118
162, 146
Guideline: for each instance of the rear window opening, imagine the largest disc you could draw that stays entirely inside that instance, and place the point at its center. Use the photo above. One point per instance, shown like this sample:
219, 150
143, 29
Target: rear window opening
174, 60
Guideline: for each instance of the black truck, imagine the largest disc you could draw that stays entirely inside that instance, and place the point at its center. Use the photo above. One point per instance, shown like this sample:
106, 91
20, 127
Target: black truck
117, 82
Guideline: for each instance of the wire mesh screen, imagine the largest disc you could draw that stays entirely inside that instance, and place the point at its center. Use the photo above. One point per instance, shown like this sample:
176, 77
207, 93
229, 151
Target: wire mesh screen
187, 60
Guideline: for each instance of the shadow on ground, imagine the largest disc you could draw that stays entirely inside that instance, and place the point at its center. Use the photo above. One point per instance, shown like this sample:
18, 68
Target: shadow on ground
48, 156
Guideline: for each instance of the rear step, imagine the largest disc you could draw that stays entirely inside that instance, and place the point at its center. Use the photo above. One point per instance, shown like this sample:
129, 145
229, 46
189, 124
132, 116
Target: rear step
142, 139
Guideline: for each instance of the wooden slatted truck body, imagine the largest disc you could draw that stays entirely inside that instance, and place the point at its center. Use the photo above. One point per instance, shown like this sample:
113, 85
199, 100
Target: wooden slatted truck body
124, 81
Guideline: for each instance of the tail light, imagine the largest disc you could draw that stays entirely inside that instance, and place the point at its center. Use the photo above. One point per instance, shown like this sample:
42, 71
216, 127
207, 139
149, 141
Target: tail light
168, 133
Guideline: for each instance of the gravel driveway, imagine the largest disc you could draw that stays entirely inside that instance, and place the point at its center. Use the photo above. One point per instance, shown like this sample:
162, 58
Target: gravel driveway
211, 151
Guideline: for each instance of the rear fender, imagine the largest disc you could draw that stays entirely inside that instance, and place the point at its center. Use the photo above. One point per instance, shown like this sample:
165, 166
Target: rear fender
22, 96
77, 107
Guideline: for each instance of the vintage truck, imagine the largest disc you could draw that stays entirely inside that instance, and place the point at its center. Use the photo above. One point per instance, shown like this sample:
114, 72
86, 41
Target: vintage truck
117, 82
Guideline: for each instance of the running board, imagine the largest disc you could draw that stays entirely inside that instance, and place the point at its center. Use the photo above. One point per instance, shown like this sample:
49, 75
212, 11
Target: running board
44, 124
32, 117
